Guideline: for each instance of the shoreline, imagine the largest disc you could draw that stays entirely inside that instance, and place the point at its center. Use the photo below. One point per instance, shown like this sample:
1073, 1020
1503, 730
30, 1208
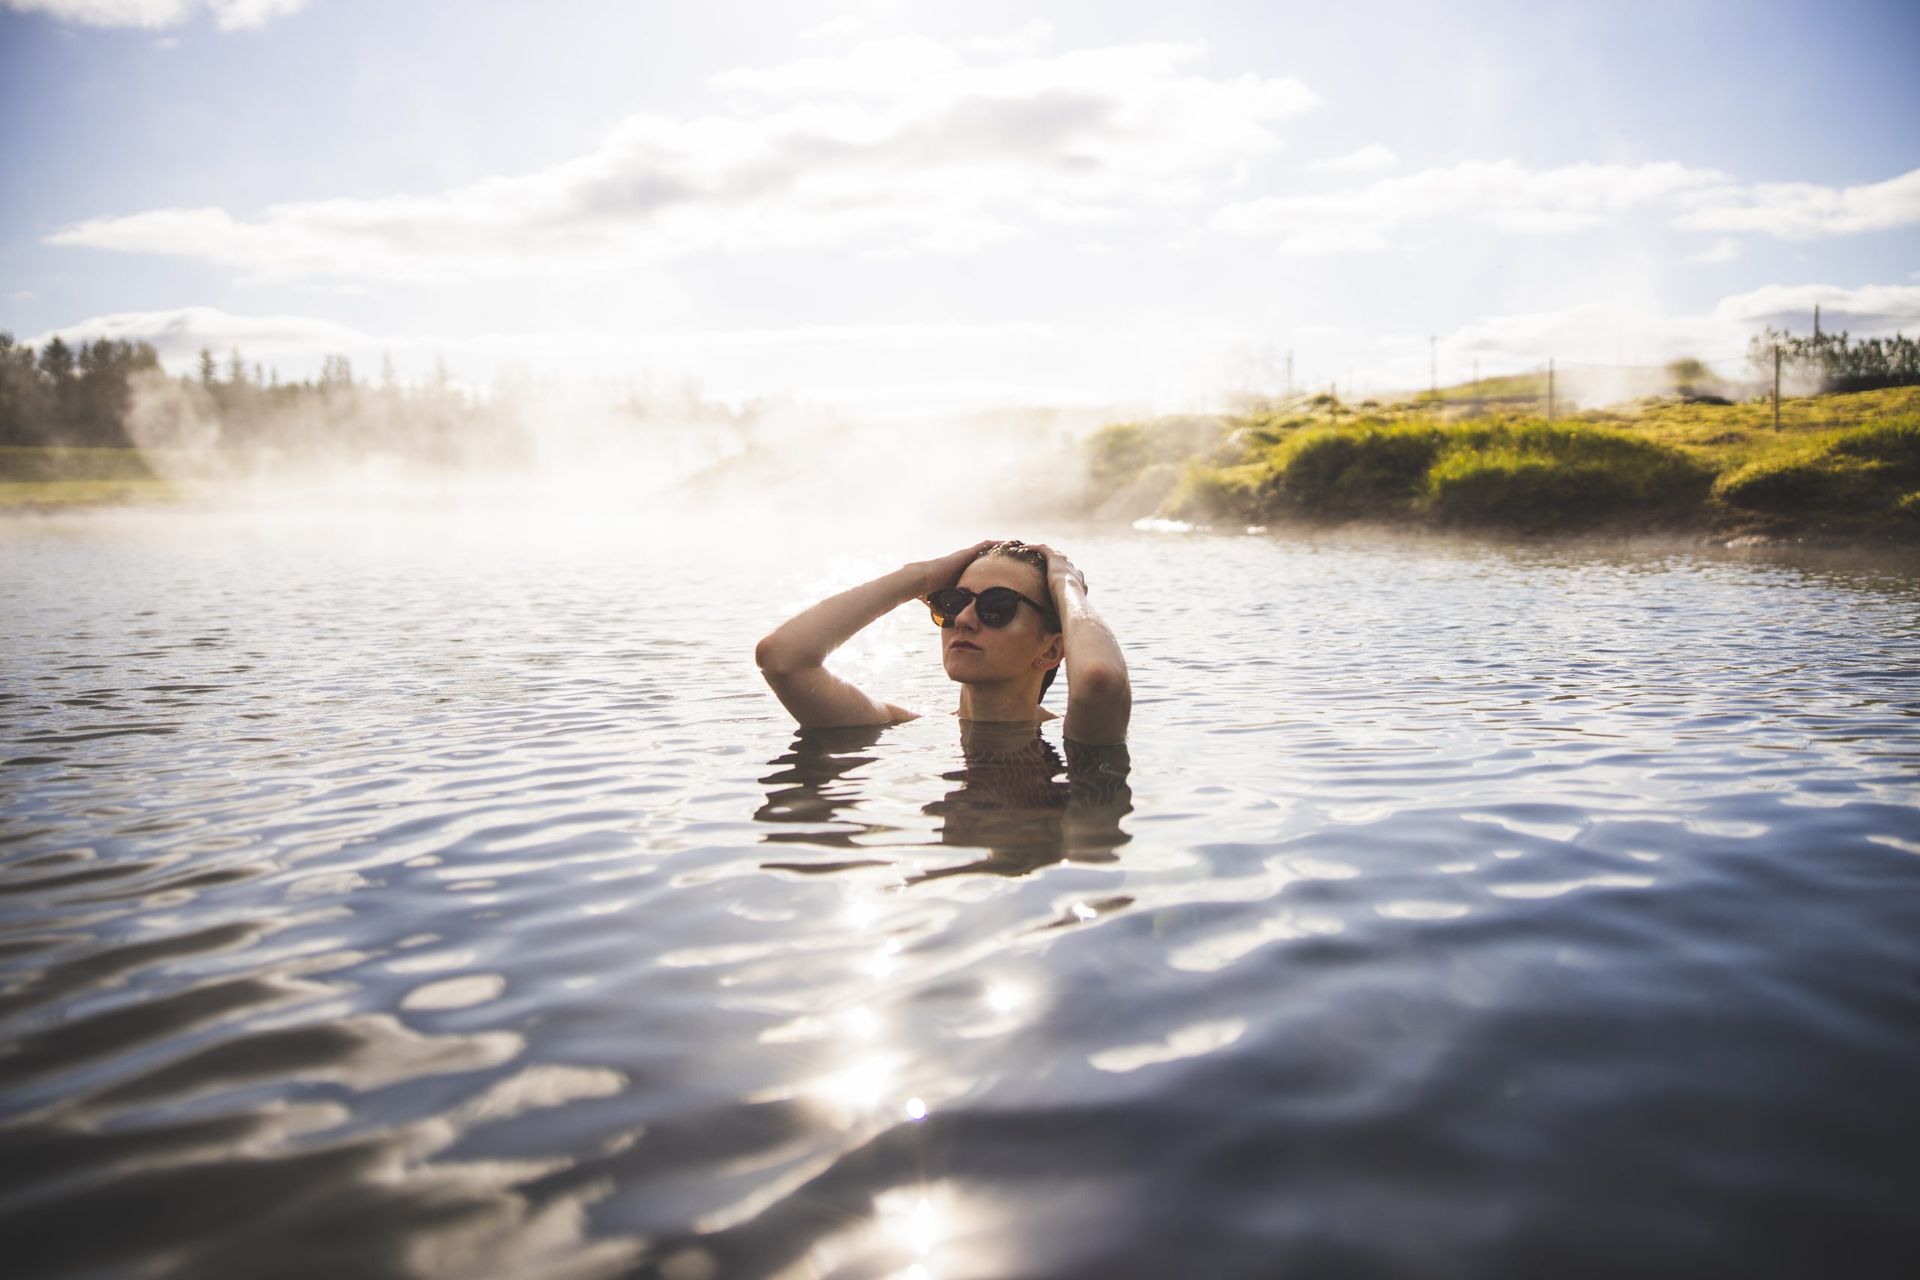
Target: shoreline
1840, 469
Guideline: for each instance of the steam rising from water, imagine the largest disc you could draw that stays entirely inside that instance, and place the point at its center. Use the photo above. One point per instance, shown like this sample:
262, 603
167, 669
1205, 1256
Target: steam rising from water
574, 449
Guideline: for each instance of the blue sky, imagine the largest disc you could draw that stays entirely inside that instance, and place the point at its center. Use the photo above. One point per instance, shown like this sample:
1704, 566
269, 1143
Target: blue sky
920, 206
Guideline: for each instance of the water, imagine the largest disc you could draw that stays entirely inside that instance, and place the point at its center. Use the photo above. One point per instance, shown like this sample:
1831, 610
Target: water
449, 897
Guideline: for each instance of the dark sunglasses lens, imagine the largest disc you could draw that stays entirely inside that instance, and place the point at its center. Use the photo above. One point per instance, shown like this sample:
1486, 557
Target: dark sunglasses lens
997, 605
946, 605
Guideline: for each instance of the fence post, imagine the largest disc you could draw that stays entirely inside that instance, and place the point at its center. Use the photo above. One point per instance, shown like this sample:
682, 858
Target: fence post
1776, 387
1549, 390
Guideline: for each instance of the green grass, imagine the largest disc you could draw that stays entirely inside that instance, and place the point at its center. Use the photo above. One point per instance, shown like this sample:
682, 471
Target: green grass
1522, 472
1537, 474
36, 477
1841, 463
1865, 471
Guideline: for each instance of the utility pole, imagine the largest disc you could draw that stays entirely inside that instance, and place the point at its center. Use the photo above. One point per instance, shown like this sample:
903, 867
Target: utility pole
1549, 390
1816, 321
1776, 386
1433, 365
1476, 393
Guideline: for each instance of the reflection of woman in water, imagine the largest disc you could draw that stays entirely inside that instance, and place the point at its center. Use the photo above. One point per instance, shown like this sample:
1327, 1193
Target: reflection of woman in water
1015, 798
1010, 614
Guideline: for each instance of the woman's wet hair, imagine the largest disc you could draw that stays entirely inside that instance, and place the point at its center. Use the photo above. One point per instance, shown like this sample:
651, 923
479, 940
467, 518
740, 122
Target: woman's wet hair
1014, 549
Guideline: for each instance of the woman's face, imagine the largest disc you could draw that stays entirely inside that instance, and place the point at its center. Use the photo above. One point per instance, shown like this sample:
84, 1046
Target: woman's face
976, 654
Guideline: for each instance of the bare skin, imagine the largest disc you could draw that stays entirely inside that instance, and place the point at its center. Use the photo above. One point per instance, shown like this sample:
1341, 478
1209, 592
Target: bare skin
999, 669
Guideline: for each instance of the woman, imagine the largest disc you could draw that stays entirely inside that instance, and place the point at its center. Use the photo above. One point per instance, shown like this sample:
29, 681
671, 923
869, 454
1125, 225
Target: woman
1010, 614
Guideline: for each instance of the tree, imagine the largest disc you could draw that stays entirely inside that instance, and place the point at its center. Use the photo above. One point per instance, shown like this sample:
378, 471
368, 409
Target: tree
56, 360
208, 371
1836, 363
24, 407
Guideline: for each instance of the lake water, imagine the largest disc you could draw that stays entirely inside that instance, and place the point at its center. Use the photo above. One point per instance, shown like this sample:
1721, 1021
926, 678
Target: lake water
447, 896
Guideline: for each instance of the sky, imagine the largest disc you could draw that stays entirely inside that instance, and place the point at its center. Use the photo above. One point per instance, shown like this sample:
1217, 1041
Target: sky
908, 207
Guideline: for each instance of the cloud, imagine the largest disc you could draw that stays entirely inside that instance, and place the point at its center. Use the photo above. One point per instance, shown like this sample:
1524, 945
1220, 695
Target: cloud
153, 15
1866, 310
901, 143
1725, 249
1592, 334
1366, 160
1498, 193
1805, 210
179, 334
1594, 341
1508, 196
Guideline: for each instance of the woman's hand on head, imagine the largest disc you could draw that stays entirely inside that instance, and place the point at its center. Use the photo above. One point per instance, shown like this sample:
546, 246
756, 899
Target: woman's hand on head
1061, 572
944, 571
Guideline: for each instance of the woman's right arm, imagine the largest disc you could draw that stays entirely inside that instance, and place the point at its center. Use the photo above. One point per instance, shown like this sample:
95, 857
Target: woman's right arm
793, 655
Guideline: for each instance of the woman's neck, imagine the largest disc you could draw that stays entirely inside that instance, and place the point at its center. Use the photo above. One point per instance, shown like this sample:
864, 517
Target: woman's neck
1016, 703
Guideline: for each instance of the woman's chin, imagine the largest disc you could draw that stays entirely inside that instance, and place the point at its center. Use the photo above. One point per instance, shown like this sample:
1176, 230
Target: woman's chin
963, 665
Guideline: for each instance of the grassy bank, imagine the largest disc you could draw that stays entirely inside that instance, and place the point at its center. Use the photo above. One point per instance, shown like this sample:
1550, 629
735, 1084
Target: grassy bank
1847, 465
44, 478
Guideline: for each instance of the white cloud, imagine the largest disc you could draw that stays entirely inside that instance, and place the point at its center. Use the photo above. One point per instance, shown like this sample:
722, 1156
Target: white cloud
229, 15
1605, 350
1866, 310
1367, 159
1725, 249
837, 29
178, 335
1508, 196
1499, 193
1591, 334
899, 143
1805, 210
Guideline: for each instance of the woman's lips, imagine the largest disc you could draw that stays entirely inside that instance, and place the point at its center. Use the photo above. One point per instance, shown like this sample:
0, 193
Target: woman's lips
964, 644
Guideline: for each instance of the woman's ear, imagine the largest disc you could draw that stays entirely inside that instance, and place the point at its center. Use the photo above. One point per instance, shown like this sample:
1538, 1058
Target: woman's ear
1052, 655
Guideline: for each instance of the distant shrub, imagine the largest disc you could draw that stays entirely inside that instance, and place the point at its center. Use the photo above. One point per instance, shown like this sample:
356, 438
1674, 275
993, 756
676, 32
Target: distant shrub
1117, 453
1372, 467
1129, 463
1205, 492
1869, 469
1538, 474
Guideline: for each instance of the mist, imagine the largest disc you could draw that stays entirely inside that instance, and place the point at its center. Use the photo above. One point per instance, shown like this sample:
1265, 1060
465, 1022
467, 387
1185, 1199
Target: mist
568, 448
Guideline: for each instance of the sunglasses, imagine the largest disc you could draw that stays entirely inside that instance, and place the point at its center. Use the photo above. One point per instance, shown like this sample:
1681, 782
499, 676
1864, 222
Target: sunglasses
994, 607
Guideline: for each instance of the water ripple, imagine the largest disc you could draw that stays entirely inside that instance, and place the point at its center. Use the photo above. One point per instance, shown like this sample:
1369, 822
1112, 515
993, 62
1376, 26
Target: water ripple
442, 904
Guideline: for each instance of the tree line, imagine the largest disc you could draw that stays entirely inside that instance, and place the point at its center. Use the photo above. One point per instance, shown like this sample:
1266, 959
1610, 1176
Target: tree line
115, 394
67, 395
1834, 362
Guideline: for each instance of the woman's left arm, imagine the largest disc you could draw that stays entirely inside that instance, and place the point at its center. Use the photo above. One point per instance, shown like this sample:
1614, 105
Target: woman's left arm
1099, 696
